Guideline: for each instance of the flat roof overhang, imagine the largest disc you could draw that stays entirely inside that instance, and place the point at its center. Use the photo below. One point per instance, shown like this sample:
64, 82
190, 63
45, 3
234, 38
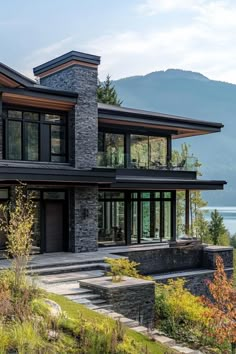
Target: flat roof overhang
168, 184
39, 97
58, 174
178, 127
55, 174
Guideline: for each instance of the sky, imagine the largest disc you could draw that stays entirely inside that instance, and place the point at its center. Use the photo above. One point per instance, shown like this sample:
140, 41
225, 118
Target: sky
133, 37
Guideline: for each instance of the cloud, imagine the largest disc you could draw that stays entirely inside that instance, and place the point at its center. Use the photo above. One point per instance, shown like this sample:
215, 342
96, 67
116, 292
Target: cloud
46, 53
153, 7
204, 44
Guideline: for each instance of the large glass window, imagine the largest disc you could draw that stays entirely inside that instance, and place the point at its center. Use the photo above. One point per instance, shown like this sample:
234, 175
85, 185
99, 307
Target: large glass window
139, 151
148, 151
31, 141
14, 140
111, 219
111, 150
58, 143
33, 136
147, 216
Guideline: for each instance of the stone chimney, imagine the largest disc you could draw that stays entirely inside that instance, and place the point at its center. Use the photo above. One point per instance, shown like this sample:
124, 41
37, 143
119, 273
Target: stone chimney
75, 71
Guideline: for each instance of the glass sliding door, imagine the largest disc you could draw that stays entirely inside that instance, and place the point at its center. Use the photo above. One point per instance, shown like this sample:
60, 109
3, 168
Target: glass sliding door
167, 221
138, 217
134, 221
151, 215
139, 151
157, 151
111, 148
111, 219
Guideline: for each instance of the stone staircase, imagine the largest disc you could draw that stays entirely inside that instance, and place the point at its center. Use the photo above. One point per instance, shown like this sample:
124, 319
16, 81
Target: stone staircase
58, 268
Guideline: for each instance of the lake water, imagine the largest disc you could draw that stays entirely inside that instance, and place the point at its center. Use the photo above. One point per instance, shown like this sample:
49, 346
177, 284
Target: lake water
228, 213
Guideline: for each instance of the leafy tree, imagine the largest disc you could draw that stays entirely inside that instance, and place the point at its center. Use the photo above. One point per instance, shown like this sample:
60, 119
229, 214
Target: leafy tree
222, 308
106, 92
17, 222
217, 229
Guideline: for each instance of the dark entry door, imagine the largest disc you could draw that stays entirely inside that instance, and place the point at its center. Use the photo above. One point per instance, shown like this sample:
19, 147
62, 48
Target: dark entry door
54, 226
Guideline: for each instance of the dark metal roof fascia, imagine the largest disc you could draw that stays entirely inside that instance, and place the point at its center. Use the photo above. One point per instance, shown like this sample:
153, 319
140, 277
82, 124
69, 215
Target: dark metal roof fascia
73, 55
116, 111
16, 76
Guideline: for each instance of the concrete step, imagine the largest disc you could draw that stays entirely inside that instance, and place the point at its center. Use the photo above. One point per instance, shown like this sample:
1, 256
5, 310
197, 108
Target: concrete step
99, 301
67, 292
89, 297
36, 266
68, 269
69, 277
104, 306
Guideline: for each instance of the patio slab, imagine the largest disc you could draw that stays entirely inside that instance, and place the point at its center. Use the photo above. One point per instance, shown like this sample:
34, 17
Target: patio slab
68, 258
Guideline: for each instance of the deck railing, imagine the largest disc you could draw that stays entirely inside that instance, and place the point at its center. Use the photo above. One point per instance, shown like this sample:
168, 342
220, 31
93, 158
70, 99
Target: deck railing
115, 160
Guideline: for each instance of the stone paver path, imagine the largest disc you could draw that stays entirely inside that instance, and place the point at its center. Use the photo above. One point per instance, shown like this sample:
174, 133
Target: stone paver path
67, 284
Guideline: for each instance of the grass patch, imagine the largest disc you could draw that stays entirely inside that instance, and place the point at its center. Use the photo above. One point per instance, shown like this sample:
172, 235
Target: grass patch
75, 311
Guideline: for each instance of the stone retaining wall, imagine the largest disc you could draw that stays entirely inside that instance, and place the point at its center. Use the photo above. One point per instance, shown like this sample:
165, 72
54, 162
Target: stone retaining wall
196, 281
153, 261
133, 298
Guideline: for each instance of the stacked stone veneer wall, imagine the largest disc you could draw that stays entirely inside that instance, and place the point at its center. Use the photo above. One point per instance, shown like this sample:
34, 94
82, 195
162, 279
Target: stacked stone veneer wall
83, 127
153, 261
83, 219
82, 137
133, 298
195, 265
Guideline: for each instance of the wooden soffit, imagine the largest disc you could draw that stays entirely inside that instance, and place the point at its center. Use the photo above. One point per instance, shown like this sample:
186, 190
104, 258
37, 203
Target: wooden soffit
7, 82
29, 101
177, 132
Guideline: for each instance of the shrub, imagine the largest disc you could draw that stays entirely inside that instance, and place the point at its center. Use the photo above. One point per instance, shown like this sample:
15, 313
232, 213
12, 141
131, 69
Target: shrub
25, 338
221, 312
178, 312
4, 339
121, 267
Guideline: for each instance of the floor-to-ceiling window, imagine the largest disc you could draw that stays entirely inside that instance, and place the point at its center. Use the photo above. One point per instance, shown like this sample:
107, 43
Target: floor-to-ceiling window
111, 219
137, 217
151, 215
148, 151
35, 136
111, 149
117, 150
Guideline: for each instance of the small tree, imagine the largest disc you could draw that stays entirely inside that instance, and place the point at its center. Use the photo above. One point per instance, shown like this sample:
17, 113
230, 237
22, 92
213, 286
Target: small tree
106, 92
17, 222
222, 308
233, 241
217, 229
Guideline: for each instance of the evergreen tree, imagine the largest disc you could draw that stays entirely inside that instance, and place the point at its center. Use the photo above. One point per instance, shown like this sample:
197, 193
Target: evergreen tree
106, 92
233, 241
217, 229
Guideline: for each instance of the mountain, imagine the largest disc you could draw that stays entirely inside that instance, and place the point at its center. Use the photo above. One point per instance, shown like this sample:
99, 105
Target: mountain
193, 95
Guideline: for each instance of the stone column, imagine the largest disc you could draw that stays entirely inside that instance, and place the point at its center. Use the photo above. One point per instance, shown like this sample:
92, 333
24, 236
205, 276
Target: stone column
83, 219
77, 72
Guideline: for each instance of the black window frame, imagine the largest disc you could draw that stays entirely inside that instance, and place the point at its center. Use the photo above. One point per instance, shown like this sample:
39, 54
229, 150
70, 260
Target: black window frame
44, 145
102, 131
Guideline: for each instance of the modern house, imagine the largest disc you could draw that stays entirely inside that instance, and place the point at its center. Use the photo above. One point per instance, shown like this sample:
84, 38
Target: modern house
100, 175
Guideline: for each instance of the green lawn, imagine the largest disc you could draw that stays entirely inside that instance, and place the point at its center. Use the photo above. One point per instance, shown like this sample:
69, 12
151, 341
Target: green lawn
75, 310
